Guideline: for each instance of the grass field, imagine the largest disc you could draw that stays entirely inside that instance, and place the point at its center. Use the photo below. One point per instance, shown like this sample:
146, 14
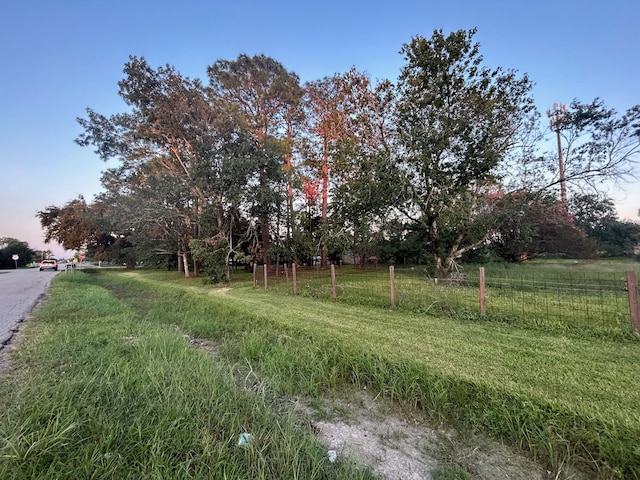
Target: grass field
105, 381
562, 295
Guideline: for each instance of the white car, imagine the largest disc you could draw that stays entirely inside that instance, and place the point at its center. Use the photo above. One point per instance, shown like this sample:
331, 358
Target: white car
49, 264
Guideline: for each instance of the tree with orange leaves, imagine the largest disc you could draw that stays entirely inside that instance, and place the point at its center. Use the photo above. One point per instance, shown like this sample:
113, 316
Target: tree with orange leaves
269, 97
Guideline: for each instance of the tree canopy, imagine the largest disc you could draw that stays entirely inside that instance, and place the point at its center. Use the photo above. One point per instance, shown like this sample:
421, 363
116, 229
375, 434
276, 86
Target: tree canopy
457, 120
255, 167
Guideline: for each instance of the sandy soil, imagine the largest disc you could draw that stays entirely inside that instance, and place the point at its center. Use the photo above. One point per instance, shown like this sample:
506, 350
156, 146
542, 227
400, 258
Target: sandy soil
398, 444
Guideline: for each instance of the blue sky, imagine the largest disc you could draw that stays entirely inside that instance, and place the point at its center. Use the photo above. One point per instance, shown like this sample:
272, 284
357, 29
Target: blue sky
59, 57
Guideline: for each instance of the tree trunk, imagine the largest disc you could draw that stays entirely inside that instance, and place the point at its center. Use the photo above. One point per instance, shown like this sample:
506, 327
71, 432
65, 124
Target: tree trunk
264, 223
180, 264
288, 168
325, 203
441, 270
185, 262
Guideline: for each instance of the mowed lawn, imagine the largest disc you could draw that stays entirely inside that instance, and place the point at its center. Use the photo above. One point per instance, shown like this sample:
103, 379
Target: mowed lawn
564, 398
562, 378
590, 376
562, 369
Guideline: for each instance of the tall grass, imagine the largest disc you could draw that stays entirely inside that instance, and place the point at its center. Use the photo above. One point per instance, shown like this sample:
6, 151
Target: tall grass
564, 398
106, 357
96, 391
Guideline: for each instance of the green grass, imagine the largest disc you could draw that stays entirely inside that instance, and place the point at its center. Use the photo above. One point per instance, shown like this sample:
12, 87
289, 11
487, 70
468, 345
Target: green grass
98, 392
566, 399
578, 297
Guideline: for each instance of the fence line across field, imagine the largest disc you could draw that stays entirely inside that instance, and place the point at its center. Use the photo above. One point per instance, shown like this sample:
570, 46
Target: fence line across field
606, 301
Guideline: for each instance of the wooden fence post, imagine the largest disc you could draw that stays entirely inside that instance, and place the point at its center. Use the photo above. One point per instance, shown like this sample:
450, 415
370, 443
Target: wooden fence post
632, 289
265, 272
334, 292
295, 278
255, 274
392, 285
483, 293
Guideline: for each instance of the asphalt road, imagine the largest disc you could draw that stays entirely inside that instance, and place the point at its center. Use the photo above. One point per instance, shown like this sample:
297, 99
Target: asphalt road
20, 291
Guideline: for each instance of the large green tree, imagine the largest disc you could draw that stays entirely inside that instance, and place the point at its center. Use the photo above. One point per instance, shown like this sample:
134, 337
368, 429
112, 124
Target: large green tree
165, 125
71, 225
177, 141
596, 214
457, 121
365, 184
12, 246
268, 96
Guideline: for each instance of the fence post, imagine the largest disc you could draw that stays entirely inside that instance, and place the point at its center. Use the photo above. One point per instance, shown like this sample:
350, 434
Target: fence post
255, 274
334, 293
392, 285
295, 278
286, 273
483, 293
632, 289
264, 271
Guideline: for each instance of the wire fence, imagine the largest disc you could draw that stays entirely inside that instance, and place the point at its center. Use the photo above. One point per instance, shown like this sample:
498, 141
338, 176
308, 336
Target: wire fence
595, 301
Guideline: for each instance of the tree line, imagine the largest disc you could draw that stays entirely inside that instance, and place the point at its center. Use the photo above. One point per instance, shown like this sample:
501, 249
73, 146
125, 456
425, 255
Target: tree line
444, 163
12, 246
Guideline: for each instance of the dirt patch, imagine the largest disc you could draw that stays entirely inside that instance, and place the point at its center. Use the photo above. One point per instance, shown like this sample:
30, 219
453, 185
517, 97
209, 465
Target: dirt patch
392, 448
208, 346
396, 443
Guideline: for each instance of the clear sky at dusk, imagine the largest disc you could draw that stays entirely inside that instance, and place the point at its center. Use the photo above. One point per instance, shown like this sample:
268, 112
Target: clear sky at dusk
59, 57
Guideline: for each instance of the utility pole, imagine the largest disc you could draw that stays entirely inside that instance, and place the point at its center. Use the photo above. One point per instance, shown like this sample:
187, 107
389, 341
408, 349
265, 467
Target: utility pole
556, 117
